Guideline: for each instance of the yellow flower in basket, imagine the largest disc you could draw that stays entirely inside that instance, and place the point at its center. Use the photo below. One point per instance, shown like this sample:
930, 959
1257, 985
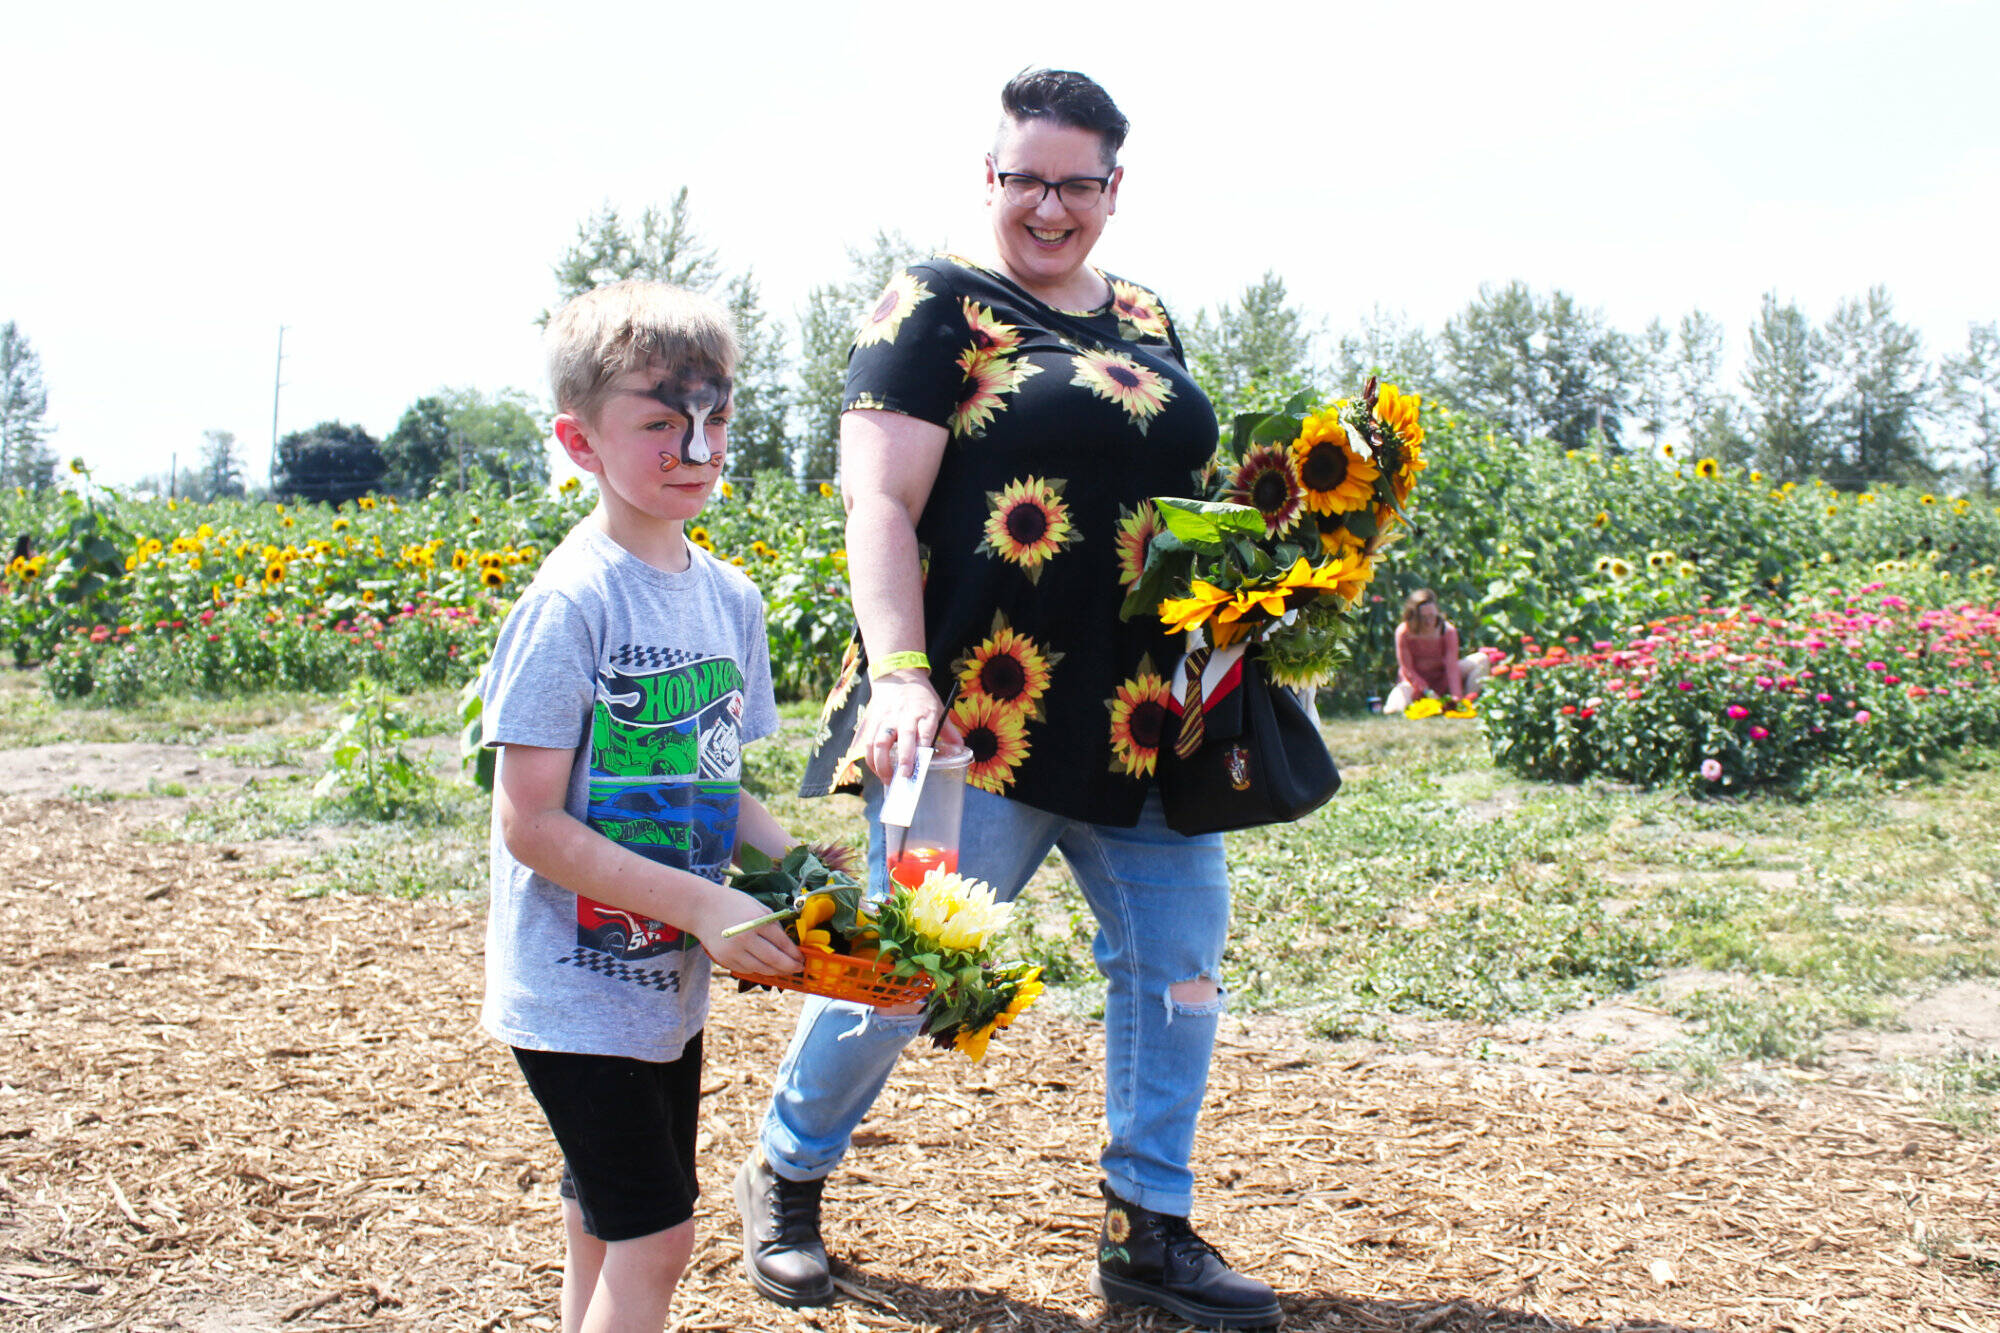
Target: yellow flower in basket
812, 918
957, 913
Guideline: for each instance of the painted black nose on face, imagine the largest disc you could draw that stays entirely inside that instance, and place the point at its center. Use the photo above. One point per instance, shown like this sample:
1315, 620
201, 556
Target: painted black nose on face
696, 401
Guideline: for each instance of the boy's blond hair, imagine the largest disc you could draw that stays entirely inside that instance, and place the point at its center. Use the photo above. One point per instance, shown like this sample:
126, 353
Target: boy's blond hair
627, 326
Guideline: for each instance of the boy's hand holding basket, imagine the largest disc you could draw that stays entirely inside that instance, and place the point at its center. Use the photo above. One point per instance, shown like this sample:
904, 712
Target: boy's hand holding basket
931, 943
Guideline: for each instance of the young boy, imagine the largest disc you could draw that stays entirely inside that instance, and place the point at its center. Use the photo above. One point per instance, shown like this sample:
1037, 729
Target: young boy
622, 688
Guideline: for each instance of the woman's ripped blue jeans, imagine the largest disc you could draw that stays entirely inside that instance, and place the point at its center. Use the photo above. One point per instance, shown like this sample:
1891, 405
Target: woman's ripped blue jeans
1162, 905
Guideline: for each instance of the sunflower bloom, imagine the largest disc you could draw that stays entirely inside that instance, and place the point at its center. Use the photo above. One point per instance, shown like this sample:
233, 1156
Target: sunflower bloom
1026, 992
991, 335
1008, 667
1398, 411
1137, 309
987, 379
1138, 721
1185, 613
1136, 530
904, 293
971, 1042
997, 735
1344, 576
1335, 476
1266, 481
1139, 390
1027, 523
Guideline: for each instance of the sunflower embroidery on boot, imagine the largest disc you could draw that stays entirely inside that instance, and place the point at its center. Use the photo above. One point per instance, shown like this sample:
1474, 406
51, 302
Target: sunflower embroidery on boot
1117, 1230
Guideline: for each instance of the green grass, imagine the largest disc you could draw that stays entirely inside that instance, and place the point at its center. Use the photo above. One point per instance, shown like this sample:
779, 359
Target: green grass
1963, 1091
262, 723
1431, 886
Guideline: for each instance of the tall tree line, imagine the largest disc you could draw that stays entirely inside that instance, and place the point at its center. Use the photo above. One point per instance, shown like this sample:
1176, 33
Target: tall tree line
789, 372
1853, 400
25, 458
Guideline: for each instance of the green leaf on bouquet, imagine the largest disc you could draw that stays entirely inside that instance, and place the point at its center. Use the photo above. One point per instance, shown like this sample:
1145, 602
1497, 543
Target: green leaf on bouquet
1152, 588
1278, 426
1243, 429
1207, 523
847, 917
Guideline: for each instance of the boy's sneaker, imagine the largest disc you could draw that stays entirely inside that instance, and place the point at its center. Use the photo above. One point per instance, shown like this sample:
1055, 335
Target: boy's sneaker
1149, 1258
782, 1253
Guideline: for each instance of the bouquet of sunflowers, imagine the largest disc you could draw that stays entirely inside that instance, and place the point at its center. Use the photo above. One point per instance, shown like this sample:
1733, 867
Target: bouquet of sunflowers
931, 942
1280, 539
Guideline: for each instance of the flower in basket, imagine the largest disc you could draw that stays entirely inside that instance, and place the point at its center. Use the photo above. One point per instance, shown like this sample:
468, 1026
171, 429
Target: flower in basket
944, 928
1279, 541
812, 888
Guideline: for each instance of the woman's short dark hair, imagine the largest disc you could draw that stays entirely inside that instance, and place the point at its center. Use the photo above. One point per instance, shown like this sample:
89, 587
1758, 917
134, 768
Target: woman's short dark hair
1069, 99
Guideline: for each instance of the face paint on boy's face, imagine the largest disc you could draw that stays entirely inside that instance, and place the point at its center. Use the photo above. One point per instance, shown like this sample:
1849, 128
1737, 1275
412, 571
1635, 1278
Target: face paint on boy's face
696, 401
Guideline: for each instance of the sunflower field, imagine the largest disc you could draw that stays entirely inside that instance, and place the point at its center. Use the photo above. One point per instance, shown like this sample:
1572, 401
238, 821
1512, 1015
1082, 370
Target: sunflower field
1533, 551
119, 599
1536, 542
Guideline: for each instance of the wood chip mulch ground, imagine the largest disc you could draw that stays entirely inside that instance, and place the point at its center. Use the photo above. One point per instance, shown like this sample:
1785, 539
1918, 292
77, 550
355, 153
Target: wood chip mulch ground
224, 1107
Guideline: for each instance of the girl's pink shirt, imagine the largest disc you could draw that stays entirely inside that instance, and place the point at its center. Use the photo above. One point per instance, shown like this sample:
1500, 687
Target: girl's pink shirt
1429, 662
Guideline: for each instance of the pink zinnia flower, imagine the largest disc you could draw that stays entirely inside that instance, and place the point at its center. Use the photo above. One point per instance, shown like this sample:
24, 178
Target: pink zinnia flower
1863, 716
1738, 712
1758, 733
1711, 769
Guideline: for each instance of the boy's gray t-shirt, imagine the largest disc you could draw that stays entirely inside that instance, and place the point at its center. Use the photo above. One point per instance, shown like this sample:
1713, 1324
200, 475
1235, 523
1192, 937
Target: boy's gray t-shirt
656, 680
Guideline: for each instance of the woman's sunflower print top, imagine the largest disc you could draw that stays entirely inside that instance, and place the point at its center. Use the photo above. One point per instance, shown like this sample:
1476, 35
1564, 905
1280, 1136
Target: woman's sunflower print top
1062, 427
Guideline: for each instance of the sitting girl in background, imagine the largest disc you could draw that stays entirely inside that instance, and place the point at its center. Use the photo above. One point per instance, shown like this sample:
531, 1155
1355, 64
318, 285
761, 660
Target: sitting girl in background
1427, 660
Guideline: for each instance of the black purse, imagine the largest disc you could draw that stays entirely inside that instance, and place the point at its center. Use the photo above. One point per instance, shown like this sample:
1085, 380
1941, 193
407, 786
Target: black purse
1261, 760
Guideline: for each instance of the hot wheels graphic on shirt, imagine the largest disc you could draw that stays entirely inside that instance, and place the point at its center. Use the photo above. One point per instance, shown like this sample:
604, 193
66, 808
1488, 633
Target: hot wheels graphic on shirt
666, 762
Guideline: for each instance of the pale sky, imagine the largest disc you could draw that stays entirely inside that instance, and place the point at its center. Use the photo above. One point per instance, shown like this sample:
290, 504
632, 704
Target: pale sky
393, 182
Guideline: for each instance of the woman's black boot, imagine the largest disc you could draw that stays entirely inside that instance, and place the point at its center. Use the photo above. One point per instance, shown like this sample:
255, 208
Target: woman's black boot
1149, 1258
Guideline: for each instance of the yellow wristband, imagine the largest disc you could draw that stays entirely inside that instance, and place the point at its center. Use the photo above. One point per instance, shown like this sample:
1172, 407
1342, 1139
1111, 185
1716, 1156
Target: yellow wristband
896, 662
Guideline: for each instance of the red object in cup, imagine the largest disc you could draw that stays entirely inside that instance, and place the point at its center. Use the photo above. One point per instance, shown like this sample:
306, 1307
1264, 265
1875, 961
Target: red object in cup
910, 868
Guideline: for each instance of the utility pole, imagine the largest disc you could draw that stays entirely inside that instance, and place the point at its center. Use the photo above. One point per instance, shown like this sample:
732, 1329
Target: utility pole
277, 383
173, 475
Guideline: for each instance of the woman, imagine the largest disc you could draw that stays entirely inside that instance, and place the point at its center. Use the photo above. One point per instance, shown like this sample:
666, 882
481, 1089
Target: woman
1005, 423
1427, 660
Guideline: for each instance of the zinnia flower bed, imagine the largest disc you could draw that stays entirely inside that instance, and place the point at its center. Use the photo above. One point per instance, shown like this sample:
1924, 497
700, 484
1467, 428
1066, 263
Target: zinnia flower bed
237, 648
1732, 698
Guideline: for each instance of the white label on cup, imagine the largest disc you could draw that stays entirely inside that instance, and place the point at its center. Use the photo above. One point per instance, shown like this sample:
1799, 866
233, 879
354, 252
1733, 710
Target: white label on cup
899, 802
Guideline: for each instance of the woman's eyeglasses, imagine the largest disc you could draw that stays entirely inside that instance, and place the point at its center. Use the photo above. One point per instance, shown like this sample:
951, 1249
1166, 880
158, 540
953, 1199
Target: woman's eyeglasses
1026, 191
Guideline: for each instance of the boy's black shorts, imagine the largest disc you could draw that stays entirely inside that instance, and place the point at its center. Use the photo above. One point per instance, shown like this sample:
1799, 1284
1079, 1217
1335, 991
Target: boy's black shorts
626, 1129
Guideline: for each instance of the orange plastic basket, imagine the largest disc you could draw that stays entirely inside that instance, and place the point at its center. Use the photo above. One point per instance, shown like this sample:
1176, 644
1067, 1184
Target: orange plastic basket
840, 976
